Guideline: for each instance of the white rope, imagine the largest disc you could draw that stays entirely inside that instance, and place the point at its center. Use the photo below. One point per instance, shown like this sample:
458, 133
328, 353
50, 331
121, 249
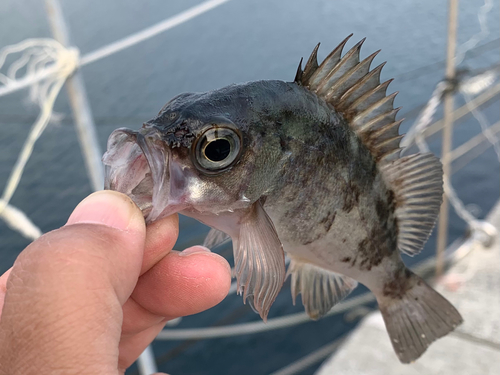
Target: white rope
37, 53
421, 268
146, 362
416, 133
48, 64
483, 122
256, 327
11, 86
18, 221
457, 204
475, 39
299, 366
473, 85
150, 31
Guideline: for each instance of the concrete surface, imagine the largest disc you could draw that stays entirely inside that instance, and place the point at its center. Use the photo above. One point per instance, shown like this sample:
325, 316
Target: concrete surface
473, 286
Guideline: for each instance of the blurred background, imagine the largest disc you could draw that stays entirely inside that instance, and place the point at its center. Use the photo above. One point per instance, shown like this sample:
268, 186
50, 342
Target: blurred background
238, 41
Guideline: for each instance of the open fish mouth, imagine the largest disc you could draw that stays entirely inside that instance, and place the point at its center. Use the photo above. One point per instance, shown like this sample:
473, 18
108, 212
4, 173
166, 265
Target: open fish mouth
137, 164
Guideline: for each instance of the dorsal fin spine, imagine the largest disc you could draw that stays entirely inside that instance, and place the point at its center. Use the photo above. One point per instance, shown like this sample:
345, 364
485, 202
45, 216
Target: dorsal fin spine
378, 108
368, 82
385, 118
370, 97
350, 78
350, 59
389, 144
300, 73
324, 68
356, 92
312, 64
391, 128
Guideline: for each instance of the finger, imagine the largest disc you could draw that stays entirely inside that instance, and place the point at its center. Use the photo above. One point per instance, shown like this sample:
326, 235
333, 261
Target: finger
184, 283
3, 288
178, 285
160, 239
63, 301
131, 347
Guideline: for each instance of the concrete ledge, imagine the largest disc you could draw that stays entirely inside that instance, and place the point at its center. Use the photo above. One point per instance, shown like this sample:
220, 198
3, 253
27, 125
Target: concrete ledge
473, 286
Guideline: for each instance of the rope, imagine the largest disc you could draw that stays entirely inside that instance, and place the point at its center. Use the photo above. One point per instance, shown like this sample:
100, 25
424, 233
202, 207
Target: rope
475, 39
483, 122
18, 221
51, 69
48, 64
150, 31
474, 85
299, 366
466, 152
256, 327
416, 133
36, 53
422, 268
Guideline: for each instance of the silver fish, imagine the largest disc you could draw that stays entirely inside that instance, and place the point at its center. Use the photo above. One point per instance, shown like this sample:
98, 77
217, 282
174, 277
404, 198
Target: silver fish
310, 168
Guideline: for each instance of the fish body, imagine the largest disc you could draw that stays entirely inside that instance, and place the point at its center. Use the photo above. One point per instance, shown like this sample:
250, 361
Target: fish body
310, 168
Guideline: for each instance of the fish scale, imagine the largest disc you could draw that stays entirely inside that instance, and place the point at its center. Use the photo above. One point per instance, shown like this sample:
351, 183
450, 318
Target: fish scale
310, 168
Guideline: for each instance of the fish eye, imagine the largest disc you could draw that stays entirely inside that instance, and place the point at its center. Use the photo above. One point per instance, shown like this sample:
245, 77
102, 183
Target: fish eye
217, 149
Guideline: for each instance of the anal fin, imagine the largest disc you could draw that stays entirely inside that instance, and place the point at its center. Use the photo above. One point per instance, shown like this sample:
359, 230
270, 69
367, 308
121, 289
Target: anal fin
321, 289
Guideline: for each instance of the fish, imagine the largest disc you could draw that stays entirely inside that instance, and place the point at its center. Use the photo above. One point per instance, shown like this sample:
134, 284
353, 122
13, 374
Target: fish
310, 168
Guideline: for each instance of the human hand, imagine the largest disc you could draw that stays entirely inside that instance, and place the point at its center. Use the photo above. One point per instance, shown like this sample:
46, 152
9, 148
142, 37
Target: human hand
89, 297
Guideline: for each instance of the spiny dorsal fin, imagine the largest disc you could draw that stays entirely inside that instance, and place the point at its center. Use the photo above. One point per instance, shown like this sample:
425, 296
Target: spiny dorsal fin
320, 289
417, 181
353, 90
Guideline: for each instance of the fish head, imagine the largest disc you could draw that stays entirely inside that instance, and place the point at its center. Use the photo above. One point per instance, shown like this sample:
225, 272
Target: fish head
194, 157
208, 156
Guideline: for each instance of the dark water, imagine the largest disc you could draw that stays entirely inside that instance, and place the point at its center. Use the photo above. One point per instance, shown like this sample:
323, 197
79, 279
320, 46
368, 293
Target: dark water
240, 41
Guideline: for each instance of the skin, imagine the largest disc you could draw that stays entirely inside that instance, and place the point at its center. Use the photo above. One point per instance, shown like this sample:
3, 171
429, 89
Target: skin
305, 182
90, 296
316, 177
301, 161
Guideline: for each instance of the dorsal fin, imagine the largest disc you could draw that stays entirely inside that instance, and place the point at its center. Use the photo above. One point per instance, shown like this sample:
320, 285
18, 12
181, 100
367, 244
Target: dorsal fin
348, 85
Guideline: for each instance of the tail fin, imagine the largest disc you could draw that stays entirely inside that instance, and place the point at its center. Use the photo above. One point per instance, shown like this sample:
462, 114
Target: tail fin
416, 318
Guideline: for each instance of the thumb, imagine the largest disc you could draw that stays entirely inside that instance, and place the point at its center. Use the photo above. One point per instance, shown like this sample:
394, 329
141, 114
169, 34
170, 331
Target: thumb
62, 307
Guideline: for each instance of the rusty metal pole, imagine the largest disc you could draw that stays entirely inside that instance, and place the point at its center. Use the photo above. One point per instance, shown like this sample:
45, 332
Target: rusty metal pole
447, 132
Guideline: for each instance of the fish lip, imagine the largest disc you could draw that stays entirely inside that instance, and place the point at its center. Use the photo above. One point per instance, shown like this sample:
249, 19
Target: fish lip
138, 165
124, 170
168, 210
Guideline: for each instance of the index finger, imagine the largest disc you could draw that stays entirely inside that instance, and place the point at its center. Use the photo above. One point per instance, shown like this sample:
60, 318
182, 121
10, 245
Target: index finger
160, 239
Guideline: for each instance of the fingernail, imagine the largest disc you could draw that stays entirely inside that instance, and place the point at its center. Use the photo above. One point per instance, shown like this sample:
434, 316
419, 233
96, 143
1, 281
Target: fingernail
195, 250
108, 208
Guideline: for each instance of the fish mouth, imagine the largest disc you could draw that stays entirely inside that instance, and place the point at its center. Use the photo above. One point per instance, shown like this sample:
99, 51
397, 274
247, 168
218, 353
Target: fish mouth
137, 164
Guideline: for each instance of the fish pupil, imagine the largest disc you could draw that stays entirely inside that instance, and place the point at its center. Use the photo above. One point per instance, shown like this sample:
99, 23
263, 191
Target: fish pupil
218, 150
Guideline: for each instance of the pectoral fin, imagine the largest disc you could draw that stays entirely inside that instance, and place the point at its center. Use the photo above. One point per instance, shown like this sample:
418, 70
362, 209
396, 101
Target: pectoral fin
215, 238
321, 289
259, 260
